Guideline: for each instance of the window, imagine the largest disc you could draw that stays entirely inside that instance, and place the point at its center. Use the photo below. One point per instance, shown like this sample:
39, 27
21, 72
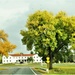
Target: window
37, 60
10, 57
10, 60
4, 60
7, 60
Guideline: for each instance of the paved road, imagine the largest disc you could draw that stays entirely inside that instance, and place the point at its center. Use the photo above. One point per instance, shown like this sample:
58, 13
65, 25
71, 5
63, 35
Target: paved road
19, 71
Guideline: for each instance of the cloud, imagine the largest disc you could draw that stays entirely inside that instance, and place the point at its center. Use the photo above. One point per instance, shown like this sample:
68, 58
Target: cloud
53, 6
12, 28
12, 19
10, 9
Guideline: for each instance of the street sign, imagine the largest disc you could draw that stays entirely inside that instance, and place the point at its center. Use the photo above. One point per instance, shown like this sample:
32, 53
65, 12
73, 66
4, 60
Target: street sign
47, 59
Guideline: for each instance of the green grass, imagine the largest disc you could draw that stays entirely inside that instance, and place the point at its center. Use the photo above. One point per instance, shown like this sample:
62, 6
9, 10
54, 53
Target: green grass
58, 69
3, 68
62, 69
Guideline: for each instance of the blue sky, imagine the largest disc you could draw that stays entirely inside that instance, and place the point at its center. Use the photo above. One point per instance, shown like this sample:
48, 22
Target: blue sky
14, 14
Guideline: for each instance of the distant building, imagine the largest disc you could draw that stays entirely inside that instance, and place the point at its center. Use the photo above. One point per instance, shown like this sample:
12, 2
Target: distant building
20, 58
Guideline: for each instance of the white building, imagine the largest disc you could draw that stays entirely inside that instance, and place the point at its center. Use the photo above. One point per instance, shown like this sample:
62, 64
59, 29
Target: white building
20, 58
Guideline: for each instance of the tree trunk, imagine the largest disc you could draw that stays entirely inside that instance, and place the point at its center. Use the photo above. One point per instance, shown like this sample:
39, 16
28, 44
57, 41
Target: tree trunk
50, 64
51, 59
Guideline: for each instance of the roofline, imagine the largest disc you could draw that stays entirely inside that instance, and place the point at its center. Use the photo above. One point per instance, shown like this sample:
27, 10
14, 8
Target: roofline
21, 54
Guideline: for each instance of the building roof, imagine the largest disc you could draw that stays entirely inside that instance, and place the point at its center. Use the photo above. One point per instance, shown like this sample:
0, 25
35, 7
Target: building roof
22, 54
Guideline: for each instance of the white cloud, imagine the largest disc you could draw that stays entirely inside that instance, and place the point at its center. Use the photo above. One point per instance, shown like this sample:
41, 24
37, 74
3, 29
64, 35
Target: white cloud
53, 6
12, 8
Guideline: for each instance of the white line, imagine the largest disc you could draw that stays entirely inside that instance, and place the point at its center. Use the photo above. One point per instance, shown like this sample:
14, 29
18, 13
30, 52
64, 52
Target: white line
33, 71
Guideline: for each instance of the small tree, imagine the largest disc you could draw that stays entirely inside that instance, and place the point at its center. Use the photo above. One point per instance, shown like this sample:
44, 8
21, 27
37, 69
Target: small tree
31, 52
5, 45
30, 59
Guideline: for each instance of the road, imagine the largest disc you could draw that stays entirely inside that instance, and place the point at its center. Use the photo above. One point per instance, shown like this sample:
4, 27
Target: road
19, 71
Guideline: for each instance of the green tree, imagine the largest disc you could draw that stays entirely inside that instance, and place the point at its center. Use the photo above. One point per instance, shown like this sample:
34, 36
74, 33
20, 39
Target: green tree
49, 33
30, 59
64, 55
31, 52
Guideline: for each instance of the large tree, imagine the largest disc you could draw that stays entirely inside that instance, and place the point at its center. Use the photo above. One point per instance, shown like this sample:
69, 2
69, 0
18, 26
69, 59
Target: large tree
49, 33
5, 45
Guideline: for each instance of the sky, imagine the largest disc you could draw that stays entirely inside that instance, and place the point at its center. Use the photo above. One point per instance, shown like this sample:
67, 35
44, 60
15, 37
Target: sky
14, 14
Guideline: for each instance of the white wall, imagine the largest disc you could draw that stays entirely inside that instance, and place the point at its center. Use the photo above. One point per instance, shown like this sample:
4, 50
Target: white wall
13, 59
37, 59
8, 59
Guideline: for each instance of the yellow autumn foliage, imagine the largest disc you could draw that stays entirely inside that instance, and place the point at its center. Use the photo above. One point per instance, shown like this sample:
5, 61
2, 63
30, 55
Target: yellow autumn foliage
5, 45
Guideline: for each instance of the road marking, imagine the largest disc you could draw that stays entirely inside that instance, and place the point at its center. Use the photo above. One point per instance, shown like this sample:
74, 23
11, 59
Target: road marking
33, 71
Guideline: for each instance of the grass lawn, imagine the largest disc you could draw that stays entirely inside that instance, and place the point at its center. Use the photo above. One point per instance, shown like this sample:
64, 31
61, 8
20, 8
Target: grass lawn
58, 68
61, 69
2, 68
